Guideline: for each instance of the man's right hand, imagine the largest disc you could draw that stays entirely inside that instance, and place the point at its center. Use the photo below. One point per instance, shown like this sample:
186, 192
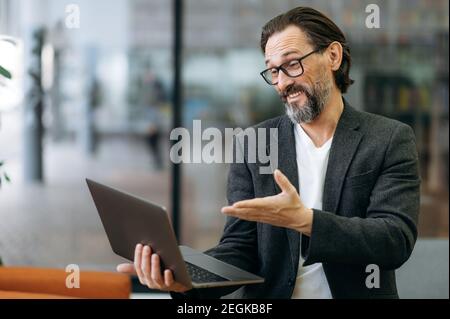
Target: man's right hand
147, 267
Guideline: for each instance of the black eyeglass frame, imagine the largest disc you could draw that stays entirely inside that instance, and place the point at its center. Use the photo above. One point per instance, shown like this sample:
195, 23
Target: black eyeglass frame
280, 67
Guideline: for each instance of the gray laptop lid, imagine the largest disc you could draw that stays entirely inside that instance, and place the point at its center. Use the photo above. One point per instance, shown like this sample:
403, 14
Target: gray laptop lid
129, 220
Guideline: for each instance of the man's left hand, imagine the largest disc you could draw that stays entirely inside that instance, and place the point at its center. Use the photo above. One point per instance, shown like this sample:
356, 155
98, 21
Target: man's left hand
284, 210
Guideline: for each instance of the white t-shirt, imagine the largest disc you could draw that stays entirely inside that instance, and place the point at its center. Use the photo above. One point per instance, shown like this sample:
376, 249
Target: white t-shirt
312, 164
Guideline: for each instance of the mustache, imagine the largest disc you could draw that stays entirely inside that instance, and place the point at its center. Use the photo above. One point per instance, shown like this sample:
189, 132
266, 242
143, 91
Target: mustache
293, 89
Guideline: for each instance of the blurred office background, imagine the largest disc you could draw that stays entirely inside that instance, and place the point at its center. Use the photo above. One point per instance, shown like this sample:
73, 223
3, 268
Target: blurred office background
100, 106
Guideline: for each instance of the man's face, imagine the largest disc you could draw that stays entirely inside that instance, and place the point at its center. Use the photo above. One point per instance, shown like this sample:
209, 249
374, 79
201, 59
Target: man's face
305, 96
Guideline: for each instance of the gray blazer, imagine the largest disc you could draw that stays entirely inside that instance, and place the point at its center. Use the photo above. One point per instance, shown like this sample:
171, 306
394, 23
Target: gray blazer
369, 216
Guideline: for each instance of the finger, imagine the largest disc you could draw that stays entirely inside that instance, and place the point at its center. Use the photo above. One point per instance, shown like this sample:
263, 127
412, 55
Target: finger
137, 263
255, 215
177, 287
156, 271
246, 213
226, 209
283, 182
168, 278
264, 202
171, 284
248, 210
146, 266
126, 268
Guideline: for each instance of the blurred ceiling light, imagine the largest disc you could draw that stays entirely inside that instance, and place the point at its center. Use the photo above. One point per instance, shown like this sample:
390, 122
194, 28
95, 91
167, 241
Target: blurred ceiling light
48, 54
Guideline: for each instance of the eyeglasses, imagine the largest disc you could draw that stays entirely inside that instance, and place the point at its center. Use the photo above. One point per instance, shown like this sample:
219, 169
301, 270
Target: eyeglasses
293, 68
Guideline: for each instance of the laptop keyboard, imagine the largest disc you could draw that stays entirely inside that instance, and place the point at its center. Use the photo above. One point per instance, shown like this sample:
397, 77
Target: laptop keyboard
200, 275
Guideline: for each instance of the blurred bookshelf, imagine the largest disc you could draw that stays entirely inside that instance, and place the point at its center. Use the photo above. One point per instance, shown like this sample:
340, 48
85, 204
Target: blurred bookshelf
408, 80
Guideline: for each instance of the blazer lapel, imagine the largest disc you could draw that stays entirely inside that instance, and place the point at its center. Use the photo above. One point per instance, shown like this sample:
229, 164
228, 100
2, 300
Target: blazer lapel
287, 163
345, 143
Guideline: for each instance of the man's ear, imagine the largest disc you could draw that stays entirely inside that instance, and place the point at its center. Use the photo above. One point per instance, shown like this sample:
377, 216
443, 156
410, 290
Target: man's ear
335, 55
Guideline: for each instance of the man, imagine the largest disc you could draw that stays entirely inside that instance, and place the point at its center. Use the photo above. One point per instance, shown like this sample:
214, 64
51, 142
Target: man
345, 198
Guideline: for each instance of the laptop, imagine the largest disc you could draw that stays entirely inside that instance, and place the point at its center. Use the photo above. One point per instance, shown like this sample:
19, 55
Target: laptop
129, 220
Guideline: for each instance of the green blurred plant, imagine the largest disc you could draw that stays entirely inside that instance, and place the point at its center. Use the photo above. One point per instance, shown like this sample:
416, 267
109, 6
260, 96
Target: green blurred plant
3, 175
5, 73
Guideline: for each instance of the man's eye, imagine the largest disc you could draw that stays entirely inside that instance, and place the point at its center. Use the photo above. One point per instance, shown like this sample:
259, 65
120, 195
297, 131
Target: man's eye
294, 64
273, 72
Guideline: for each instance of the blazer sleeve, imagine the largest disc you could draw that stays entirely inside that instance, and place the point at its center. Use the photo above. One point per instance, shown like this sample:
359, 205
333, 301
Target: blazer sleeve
387, 235
238, 244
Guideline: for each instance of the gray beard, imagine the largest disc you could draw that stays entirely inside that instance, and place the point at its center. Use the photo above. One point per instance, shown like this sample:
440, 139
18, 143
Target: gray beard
305, 114
314, 105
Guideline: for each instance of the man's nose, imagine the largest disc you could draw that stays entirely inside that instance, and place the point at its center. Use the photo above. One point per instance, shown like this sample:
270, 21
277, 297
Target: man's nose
284, 81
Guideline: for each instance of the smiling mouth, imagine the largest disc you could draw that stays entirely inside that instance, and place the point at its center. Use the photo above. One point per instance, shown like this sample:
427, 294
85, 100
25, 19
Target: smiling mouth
294, 95
294, 92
